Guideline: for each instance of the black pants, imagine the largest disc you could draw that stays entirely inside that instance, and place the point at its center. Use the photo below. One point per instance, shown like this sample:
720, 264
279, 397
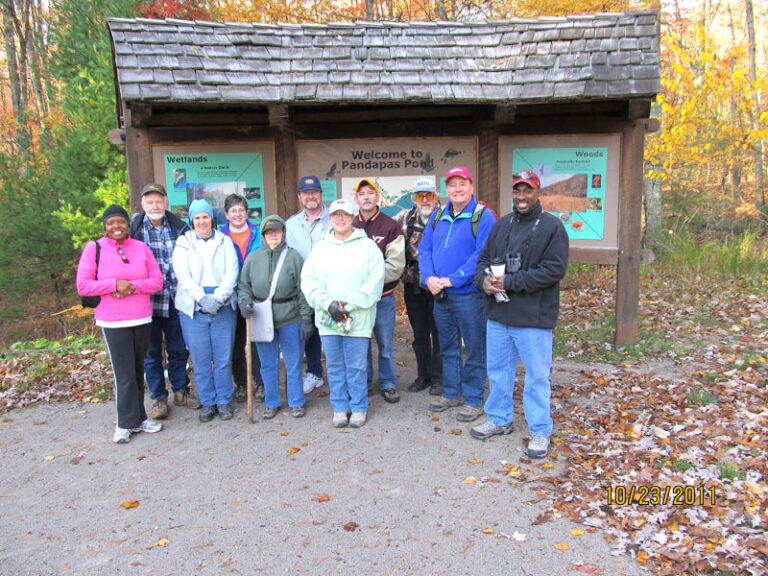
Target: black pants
239, 366
419, 304
126, 348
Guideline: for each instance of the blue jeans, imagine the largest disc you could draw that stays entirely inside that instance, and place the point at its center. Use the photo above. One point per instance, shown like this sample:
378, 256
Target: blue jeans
460, 316
384, 330
534, 347
210, 338
176, 349
313, 350
287, 339
345, 364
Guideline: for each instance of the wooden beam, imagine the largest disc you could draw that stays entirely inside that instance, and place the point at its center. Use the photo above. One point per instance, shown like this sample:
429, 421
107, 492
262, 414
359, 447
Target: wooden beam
286, 162
117, 136
630, 232
141, 115
487, 179
138, 157
638, 108
505, 114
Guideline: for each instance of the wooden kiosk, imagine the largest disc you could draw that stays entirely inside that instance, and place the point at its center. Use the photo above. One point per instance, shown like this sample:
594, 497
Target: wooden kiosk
213, 108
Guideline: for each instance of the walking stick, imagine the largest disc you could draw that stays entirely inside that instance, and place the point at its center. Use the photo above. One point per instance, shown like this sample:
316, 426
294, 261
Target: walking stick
248, 366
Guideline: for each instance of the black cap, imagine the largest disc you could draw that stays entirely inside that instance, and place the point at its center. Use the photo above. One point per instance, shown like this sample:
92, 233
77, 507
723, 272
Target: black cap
115, 210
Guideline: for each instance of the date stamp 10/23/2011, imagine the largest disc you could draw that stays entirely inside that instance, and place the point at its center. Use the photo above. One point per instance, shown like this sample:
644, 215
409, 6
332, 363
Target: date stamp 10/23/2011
653, 495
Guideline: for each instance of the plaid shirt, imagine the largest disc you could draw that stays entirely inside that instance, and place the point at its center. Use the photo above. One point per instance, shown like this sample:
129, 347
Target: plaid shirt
161, 241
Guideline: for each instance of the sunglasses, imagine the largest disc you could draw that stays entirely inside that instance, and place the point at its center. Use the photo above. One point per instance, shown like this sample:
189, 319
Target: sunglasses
122, 256
429, 196
524, 175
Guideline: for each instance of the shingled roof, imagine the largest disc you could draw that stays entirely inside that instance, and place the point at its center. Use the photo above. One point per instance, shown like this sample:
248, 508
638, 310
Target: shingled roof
573, 58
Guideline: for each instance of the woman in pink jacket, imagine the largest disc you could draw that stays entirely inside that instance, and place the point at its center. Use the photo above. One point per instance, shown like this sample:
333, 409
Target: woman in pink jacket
123, 273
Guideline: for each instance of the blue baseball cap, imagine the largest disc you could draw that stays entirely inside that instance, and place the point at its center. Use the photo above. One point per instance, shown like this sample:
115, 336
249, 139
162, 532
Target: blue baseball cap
309, 183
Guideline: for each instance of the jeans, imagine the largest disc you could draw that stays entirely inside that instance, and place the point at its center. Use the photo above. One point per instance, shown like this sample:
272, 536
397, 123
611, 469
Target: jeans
419, 305
287, 339
126, 348
313, 350
176, 349
239, 364
210, 338
460, 316
345, 364
384, 330
534, 347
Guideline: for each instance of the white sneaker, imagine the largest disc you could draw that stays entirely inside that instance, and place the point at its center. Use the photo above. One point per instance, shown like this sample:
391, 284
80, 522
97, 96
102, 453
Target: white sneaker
311, 382
149, 426
339, 419
538, 446
121, 436
358, 419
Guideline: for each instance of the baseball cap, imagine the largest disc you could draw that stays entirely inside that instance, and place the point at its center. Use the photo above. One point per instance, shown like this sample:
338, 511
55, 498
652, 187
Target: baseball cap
423, 185
458, 171
341, 204
272, 223
309, 183
153, 188
526, 176
364, 181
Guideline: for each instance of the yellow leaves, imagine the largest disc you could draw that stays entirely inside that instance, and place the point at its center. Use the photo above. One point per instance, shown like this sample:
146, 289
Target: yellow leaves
284, 433
128, 504
475, 461
293, 450
562, 546
162, 543
48, 458
321, 498
577, 532
470, 480
488, 531
457, 431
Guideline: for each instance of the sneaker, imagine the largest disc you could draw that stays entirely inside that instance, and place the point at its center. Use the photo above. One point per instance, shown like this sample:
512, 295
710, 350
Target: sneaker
488, 429
419, 384
270, 413
390, 395
311, 382
297, 411
186, 398
358, 419
159, 409
442, 404
258, 393
436, 389
225, 412
207, 413
241, 394
469, 413
339, 419
121, 435
148, 426
538, 447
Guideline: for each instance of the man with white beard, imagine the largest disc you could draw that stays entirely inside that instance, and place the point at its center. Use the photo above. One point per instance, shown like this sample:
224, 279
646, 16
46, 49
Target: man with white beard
418, 300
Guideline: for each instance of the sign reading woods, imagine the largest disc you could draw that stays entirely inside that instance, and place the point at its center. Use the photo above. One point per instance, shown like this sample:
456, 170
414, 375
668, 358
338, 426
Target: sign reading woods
579, 182
213, 175
393, 164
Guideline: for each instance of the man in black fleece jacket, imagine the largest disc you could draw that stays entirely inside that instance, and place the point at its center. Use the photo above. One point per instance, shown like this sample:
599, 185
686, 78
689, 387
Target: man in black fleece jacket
528, 250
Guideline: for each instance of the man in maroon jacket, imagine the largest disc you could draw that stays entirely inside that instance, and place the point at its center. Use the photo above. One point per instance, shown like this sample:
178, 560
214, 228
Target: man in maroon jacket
388, 236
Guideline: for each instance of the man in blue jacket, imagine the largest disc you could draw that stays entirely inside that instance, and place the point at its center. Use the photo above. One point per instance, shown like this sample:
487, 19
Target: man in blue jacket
527, 253
448, 253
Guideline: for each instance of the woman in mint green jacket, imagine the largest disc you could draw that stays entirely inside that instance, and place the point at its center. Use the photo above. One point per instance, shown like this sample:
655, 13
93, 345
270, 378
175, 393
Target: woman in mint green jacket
342, 280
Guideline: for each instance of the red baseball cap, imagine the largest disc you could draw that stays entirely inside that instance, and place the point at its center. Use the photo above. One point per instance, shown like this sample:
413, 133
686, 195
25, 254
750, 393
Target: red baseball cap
526, 176
460, 171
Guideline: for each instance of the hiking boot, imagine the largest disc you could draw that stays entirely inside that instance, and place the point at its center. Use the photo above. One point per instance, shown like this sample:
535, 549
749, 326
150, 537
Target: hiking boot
339, 419
419, 384
297, 411
390, 395
488, 429
436, 389
358, 419
469, 413
258, 393
159, 409
148, 426
121, 435
225, 411
270, 413
311, 382
442, 404
241, 394
187, 399
207, 413
538, 447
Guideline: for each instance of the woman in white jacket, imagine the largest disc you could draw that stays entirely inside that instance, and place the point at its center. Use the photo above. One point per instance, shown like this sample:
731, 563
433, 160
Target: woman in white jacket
205, 263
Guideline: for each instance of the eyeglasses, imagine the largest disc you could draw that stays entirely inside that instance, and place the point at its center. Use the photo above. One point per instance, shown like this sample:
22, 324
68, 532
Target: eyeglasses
122, 255
421, 196
524, 175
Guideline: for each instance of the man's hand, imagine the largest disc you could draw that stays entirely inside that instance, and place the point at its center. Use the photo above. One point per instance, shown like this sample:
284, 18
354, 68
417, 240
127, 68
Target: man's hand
435, 284
209, 304
337, 311
493, 285
246, 309
307, 329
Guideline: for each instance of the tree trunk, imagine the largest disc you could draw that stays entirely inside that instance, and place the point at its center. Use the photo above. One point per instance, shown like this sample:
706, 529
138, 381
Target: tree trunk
759, 149
369, 12
17, 74
441, 12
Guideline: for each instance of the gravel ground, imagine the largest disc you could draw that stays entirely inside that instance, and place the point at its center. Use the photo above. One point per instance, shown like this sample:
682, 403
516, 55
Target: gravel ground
235, 498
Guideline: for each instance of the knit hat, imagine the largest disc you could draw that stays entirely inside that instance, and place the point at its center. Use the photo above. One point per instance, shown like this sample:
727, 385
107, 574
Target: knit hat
115, 210
198, 206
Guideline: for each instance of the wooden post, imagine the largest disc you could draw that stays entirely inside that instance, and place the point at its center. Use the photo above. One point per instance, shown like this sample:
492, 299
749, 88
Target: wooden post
487, 180
248, 366
138, 151
281, 120
630, 231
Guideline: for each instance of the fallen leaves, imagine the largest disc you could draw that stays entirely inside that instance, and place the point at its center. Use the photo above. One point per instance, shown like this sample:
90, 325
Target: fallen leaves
163, 542
128, 504
321, 498
351, 526
293, 450
562, 546
48, 458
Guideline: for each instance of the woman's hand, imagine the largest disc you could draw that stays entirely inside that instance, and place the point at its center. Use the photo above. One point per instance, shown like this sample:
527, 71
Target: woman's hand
123, 288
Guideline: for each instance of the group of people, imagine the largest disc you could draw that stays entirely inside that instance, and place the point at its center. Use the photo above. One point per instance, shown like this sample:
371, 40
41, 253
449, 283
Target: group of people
328, 276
